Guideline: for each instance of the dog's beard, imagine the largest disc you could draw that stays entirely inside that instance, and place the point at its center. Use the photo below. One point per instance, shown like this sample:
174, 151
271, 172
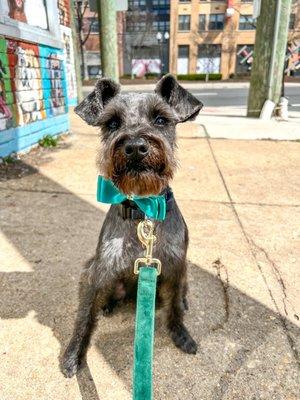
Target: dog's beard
140, 183
143, 178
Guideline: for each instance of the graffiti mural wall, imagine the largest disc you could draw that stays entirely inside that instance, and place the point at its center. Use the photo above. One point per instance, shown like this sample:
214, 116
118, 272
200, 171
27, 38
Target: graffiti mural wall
37, 80
32, 82
6, 95
67, 40
69, 64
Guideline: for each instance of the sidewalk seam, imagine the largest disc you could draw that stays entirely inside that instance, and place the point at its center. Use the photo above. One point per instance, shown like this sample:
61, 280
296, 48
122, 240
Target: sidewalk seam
251, 243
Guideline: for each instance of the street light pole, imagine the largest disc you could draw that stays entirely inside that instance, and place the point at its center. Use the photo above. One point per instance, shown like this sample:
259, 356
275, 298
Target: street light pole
160, 39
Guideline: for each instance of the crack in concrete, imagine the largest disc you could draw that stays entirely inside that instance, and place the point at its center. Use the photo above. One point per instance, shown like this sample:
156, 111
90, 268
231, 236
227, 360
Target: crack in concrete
219, 266
231, 371
250, 242
278, 276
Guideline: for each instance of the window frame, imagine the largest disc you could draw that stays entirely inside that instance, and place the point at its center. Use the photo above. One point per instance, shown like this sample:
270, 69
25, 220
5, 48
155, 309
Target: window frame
249, 24
181, 46
189, 22
216, 21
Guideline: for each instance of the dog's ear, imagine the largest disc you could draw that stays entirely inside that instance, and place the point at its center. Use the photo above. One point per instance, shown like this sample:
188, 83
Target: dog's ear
184, 103
90, 109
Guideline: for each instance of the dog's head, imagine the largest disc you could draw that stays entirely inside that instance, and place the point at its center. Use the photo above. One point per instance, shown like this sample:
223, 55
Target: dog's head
138, 132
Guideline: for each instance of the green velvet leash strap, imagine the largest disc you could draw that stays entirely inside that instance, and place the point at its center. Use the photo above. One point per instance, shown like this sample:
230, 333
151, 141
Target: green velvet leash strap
144, 334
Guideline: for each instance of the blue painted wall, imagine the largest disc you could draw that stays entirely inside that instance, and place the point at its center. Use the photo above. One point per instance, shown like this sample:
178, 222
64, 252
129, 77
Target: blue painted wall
33, 94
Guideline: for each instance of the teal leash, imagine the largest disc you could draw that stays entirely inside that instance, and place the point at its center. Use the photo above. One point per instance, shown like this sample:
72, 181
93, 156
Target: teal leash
148, 269
144, 334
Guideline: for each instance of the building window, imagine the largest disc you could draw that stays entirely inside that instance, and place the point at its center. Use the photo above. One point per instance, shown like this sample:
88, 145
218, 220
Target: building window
161, 3
184, 22
94, 24
292, 21
137, 4
94, 71
209, 59
161, 26
246, 23
209, 50
202, 22
183, 51
216, 22
183, 59
136, 26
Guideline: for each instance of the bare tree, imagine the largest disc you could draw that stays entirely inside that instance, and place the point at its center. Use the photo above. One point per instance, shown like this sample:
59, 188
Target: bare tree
84, 29
208, 52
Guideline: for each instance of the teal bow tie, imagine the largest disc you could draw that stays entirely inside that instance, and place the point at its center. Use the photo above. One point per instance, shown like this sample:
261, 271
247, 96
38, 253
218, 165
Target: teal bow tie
153, 206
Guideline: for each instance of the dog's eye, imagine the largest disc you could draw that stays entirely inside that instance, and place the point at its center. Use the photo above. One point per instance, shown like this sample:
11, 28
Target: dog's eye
160, 121
113, 124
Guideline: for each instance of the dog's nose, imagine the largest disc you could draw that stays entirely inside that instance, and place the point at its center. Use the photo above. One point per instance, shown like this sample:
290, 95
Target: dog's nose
136, 148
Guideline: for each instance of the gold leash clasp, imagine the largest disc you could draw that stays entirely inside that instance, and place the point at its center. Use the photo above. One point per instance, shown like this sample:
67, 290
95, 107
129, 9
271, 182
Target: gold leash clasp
145, 234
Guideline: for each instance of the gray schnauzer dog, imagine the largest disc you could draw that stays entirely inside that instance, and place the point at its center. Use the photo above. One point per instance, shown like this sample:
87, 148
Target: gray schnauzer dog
138, 156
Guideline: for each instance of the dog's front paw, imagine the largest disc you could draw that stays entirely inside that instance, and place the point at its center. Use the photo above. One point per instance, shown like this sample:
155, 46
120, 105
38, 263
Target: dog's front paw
70, 364
184, 341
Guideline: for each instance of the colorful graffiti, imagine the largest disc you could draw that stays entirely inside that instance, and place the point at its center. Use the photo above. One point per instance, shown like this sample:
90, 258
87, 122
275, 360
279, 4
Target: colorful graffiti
25, 81
32, 83
6, 97
31, 12
66, 34
54, 83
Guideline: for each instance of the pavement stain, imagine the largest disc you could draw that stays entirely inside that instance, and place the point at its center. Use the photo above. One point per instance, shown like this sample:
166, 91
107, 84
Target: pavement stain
220, 267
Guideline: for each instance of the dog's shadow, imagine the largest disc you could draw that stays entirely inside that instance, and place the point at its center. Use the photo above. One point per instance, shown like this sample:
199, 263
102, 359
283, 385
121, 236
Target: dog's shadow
56, 231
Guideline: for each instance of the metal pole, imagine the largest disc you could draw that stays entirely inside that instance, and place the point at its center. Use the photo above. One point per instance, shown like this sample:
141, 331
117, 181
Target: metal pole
275, 41
108, 39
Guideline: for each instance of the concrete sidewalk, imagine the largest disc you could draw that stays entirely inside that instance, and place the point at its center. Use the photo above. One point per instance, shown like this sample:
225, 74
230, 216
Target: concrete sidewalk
192, 85
231, 123
241, 201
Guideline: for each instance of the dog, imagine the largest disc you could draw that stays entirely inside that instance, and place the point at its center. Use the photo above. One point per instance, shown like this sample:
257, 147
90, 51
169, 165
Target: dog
138, 155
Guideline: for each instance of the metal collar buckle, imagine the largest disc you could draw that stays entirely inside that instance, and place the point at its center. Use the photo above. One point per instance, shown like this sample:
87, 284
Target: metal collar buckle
145, 234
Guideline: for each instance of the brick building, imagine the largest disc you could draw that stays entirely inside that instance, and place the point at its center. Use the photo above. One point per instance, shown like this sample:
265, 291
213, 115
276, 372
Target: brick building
218, 36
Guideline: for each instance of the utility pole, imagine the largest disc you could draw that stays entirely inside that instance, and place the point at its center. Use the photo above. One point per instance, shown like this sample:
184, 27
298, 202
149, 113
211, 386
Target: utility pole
108, 38
75, 52
269, 54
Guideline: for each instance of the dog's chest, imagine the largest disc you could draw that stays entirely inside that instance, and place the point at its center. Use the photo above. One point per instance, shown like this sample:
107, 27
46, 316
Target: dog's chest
119, 253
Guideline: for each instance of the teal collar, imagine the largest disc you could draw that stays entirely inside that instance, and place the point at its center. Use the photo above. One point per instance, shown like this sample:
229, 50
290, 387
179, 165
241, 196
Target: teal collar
152, 206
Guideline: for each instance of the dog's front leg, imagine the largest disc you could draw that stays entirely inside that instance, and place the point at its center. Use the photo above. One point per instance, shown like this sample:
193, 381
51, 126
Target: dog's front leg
172, 295
85, 322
